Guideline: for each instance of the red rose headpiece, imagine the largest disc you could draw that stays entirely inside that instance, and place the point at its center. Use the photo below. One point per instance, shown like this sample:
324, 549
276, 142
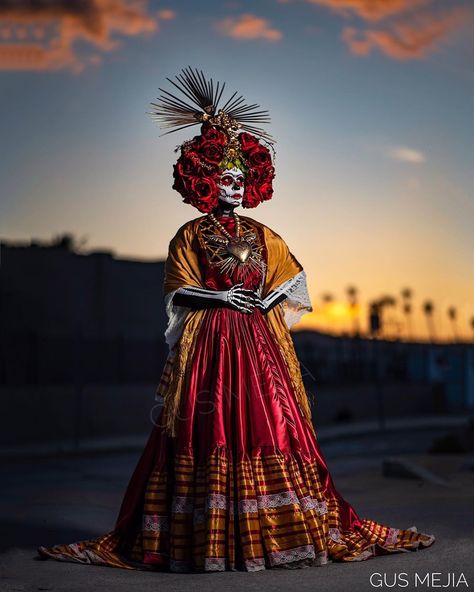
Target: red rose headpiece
220, 145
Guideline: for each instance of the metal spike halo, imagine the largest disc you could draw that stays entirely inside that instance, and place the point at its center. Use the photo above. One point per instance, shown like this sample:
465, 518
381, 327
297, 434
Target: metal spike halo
200, 104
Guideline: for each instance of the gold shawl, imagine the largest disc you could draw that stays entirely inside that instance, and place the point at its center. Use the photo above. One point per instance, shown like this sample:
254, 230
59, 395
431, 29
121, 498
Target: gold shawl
182, 268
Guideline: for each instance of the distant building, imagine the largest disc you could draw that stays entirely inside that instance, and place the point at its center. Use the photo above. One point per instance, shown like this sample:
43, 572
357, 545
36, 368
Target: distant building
54, 302
55, 292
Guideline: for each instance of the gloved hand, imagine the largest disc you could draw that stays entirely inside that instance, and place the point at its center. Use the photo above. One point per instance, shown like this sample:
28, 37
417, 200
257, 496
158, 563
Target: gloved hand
270, 300
242, 299
235, 297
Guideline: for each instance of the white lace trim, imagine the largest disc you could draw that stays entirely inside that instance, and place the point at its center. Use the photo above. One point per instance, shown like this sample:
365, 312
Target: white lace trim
321, 558
220, 501
335, 534
176, 317
274, 500
215, 564
256, 564
247, 506
297, 301
392, 536
155, 523
289, 555
216, 500
182, 505
311, 503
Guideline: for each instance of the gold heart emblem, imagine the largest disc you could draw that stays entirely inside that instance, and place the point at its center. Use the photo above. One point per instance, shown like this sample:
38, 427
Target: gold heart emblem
240, 249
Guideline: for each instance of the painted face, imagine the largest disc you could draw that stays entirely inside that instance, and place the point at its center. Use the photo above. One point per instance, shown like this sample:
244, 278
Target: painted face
231, 186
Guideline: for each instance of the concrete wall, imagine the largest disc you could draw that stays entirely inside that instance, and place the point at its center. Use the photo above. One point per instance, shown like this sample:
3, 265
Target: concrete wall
55, 292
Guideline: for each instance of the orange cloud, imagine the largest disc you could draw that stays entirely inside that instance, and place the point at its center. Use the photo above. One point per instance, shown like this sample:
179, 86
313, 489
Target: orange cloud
41, 34
166, 14
408, 38
248, 26
371, 10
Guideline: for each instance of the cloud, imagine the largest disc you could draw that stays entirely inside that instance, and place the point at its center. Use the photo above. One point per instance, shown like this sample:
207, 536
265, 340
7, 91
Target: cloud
166, 14
42, 34
371, 10
248, 26
406, 29
407, 39
406, 154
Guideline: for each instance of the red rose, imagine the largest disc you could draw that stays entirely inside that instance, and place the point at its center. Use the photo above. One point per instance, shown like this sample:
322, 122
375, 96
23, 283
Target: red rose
247, 141
251, 196
189, 165
266, 191
259, 176
182, 184
259, 157
212, 134
205, 195
258, 186
203, 187
269, 174
212, 151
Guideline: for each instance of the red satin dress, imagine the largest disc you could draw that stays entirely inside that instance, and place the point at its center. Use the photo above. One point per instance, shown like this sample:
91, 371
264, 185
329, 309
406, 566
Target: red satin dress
243, 485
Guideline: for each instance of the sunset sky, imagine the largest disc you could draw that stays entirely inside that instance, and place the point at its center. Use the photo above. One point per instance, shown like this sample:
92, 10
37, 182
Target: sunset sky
372, 108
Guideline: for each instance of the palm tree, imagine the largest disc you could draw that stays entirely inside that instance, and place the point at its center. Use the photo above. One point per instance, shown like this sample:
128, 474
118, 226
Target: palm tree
352, 293
384, 302
407, 294
428, 308
374, 319
452, 314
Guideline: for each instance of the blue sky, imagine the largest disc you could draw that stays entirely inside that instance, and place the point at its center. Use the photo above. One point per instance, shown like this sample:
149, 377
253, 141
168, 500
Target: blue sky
371, 107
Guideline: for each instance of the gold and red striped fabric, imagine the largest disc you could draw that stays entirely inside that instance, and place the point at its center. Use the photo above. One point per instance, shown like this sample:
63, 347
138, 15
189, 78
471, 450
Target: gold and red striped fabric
267, 511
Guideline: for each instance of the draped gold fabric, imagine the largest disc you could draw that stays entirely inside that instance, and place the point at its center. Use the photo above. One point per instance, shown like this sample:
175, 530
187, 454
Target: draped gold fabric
182, 268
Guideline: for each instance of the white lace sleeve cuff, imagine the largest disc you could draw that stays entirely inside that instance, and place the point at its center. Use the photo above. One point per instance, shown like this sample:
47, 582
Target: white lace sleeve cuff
176, 317
297, 301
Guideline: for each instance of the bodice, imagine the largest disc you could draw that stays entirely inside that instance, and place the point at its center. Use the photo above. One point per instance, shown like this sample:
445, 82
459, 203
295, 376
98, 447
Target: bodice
220, 268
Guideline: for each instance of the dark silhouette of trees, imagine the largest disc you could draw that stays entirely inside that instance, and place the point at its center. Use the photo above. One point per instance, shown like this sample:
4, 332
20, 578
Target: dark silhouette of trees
452, 315
428, 309
407, 294
68, 241
352, 295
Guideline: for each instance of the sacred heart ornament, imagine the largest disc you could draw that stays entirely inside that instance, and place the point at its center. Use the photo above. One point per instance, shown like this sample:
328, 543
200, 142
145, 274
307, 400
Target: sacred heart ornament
240, 249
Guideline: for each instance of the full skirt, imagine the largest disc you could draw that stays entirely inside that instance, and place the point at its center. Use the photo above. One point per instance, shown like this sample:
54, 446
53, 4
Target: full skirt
244, 484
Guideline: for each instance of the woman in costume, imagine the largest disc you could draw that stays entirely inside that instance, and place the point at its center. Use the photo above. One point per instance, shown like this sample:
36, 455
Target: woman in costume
232, 476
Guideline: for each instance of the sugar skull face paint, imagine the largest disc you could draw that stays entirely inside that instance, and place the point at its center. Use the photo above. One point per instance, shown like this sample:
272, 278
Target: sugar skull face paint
231, 186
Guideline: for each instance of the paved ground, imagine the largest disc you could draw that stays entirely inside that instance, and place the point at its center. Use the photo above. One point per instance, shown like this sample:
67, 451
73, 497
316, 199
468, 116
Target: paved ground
64, 500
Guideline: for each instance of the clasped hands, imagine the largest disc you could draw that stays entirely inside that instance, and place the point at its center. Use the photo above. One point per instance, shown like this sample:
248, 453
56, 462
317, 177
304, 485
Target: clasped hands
236, 297
244, 299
